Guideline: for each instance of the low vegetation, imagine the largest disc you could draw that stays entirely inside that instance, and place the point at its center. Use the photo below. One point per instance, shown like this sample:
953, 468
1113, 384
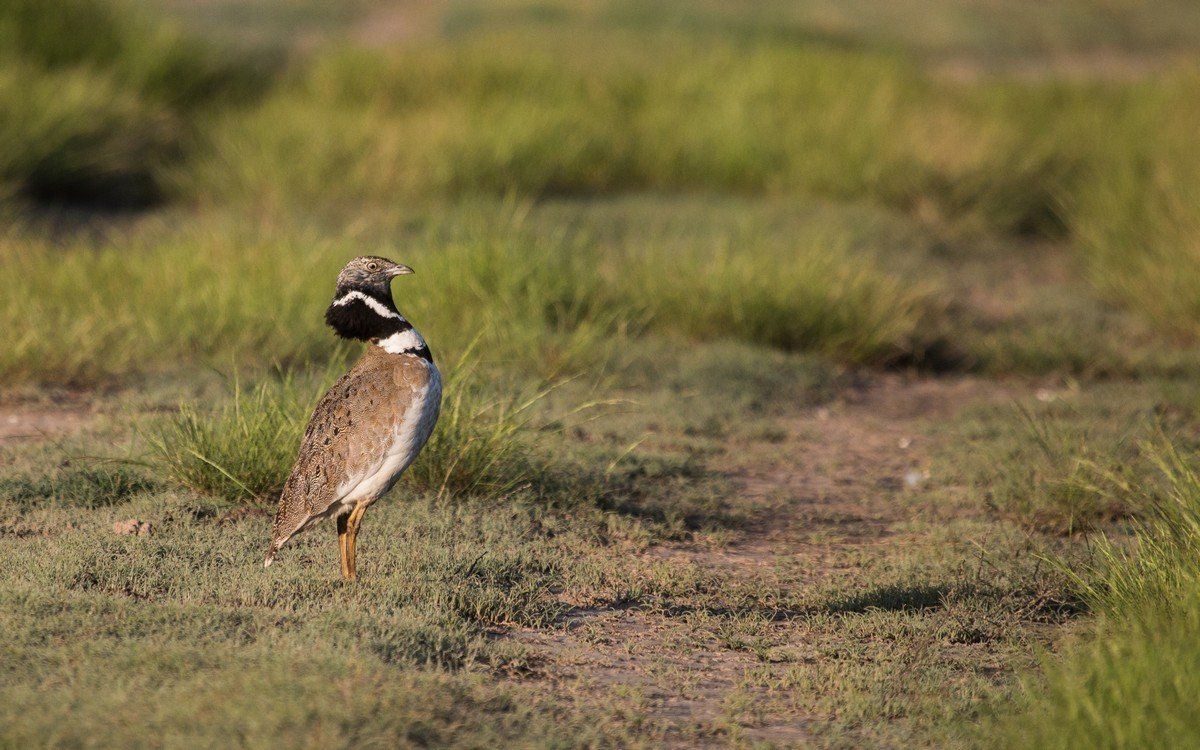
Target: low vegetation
97, 102
1056, 469
242, 450
560, 302
1123, 687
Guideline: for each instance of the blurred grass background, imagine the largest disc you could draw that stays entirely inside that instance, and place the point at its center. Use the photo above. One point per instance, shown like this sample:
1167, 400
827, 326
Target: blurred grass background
291, 130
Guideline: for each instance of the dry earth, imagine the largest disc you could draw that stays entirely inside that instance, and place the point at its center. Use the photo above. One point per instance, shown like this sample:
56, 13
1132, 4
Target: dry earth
836, 497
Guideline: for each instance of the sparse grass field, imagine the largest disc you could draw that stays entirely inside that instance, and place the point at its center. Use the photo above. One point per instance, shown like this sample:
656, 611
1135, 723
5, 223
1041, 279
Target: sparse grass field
818, 374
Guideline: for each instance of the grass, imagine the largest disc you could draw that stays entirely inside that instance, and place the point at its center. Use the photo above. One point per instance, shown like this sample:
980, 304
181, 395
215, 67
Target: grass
1136, 227
72, 135
820, 298
1071, 459
427, 644
243, 450
483, 446
97, 100
780, 118
564, 302
1124, 686
85, 487
1001, 159
1060, 469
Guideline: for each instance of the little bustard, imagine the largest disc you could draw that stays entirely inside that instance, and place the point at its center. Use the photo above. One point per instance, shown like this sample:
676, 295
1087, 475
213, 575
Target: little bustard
370, 426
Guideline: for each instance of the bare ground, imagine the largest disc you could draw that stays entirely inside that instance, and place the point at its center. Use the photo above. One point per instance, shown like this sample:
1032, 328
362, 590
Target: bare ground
40, 421
837, 496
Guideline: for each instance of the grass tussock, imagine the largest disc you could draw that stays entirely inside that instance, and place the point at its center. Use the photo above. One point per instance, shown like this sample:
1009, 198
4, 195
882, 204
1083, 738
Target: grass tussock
243, 450
811, 297
1126, 687
481, 445
1136, 224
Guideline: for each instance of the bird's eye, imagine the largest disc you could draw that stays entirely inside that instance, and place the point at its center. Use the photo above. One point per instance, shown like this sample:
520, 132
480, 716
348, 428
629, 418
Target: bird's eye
372, 266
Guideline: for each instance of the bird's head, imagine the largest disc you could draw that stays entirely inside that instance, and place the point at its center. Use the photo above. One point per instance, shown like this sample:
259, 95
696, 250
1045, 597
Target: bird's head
362, 306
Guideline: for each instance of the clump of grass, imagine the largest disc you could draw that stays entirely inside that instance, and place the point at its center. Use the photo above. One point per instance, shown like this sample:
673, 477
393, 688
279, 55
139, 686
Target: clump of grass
145, 53
243, 450
1130, 684
817, 297
1136, 223
1162, 571
481, 444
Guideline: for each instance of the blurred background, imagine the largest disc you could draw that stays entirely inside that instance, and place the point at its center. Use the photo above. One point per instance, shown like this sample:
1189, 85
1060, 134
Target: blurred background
863, 179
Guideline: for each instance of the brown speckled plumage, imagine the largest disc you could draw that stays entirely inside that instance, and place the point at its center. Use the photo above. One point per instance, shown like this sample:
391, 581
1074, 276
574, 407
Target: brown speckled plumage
349, 433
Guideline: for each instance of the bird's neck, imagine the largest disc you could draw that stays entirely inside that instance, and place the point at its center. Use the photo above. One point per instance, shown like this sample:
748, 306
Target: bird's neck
408, 341
371, 315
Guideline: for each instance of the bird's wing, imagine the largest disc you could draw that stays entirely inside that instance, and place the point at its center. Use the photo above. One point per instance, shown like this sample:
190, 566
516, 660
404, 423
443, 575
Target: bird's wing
348, 436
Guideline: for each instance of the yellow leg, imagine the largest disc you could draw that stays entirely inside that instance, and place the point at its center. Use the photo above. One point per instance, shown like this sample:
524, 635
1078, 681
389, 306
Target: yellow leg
352, 540
343, 538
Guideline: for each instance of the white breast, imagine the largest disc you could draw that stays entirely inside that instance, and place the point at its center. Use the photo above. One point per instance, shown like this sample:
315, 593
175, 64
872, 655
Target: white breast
408, 437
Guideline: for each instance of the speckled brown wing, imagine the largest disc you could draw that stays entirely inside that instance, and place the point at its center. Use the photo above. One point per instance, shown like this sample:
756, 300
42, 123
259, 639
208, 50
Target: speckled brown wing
349, 434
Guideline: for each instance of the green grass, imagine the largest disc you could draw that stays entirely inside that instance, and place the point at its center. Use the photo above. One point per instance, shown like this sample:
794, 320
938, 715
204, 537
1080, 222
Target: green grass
817, 297
430, 647
74, 134
85, 487
1136, 227
243, 450
724, 220
1059, 469
462, 119
558, 303
1070, 459
1130, 685
97, 101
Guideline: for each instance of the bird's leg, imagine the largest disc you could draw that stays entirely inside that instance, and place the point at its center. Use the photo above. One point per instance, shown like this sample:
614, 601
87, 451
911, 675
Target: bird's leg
343, 538
352, 539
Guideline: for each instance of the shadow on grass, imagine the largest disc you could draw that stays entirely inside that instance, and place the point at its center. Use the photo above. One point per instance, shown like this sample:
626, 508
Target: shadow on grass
893, 598
87, 487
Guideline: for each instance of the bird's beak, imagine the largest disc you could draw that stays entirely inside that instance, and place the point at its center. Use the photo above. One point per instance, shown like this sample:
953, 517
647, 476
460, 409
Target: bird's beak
400, 270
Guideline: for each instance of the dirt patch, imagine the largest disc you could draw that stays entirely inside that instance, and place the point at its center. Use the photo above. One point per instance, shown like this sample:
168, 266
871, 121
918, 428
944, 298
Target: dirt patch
399, 22
39, 423
829, 499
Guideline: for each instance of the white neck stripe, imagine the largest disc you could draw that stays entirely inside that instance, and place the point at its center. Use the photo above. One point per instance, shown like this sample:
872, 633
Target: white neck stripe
403, 342
371, 302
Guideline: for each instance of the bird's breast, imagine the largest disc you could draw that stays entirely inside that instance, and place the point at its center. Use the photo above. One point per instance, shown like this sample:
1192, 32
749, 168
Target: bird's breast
403, 438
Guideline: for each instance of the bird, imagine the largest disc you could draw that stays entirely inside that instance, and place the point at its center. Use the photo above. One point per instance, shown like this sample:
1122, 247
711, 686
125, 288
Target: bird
370, 425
